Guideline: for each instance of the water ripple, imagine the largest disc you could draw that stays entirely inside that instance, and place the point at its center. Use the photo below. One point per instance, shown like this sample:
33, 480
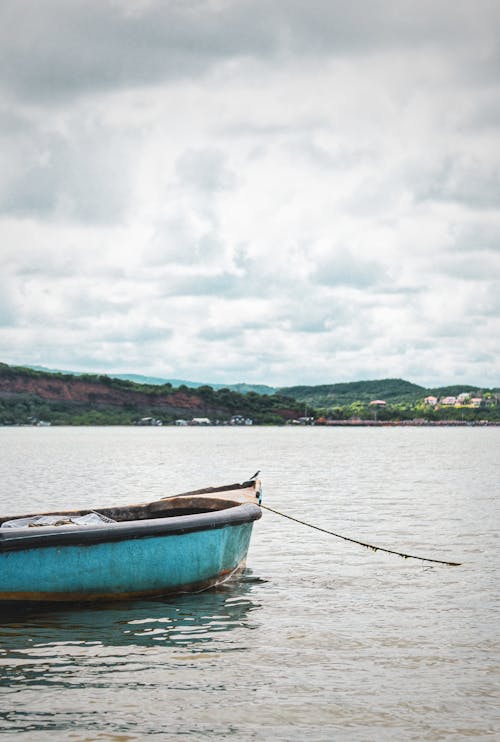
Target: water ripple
319, 639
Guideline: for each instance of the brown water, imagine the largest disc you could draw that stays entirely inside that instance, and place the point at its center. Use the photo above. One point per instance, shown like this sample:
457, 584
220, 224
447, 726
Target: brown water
320, 639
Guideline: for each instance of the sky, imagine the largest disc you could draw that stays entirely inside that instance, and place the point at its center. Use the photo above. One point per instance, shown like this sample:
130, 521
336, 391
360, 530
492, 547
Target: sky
282, 192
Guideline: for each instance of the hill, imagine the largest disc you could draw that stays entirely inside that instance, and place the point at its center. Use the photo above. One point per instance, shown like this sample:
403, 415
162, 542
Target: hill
241, 387
27, 395
339, 395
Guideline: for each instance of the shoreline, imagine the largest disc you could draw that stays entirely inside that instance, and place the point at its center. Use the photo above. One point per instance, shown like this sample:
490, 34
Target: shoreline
408, 423
329, 424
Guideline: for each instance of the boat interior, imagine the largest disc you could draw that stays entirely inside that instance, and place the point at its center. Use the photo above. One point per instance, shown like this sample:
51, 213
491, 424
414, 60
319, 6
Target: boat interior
190, 503
170, 508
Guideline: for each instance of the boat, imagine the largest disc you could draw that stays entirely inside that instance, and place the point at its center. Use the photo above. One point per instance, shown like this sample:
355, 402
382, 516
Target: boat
181, 543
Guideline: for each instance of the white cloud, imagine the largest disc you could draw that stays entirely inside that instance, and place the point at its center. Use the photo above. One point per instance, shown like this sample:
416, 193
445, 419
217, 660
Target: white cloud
229, 191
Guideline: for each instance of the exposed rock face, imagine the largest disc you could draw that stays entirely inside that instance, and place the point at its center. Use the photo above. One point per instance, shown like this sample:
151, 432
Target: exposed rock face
27, 395
99, 394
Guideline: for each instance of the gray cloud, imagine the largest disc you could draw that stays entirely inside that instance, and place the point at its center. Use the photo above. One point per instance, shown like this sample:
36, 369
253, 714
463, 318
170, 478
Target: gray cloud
87, 46
233, 334
83, 175
466, 181
177, 242
70, 48
478, 267
475, 238
347, 268
7, 306
144, 334
205, 170
203, 285
174, 241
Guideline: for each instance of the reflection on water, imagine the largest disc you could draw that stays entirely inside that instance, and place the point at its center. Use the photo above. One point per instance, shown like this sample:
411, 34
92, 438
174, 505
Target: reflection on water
190, 621
115, 644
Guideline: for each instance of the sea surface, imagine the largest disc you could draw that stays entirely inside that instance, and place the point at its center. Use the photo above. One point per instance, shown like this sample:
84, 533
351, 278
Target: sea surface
320, 639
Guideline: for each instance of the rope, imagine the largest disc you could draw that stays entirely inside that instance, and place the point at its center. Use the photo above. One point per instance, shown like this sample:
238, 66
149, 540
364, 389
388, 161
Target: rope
361, 543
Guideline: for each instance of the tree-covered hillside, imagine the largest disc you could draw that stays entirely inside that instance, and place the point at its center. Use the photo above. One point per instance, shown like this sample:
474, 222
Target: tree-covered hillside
337, 395
27, 395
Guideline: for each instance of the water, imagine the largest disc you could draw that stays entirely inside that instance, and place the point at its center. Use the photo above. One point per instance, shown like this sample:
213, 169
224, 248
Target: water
320, 639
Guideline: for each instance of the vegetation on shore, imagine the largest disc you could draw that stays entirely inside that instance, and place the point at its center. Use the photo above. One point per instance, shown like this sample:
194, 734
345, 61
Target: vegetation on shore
28, 396
404, 402
405, 413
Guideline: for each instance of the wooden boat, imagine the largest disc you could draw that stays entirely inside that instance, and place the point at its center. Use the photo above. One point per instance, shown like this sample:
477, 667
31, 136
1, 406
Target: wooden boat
183, 543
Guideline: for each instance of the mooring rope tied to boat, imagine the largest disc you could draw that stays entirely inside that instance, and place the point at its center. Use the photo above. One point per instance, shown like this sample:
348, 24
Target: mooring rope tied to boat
361, 543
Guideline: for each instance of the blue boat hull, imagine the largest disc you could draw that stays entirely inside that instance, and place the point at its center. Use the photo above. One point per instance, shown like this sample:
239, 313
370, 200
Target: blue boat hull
124, 569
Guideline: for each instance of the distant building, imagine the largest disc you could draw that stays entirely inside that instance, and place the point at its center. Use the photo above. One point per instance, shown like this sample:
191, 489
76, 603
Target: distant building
448, 401
378, 402
240, 420
149, 421
431, 401
200, 421
301, 421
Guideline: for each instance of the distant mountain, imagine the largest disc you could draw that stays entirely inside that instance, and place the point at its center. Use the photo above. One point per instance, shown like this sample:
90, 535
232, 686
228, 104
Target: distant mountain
241, 388
320, 396
156, 380
53, 370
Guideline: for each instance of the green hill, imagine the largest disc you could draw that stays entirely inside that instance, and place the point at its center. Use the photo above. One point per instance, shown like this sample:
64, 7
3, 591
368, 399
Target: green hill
338, 395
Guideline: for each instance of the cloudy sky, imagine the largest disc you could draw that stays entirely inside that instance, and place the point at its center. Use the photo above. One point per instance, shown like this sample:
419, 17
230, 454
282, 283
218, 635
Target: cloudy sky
280, 192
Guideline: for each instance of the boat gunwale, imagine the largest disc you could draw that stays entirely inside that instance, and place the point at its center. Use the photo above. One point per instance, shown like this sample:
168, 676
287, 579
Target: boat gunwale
18, 539
218, 497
